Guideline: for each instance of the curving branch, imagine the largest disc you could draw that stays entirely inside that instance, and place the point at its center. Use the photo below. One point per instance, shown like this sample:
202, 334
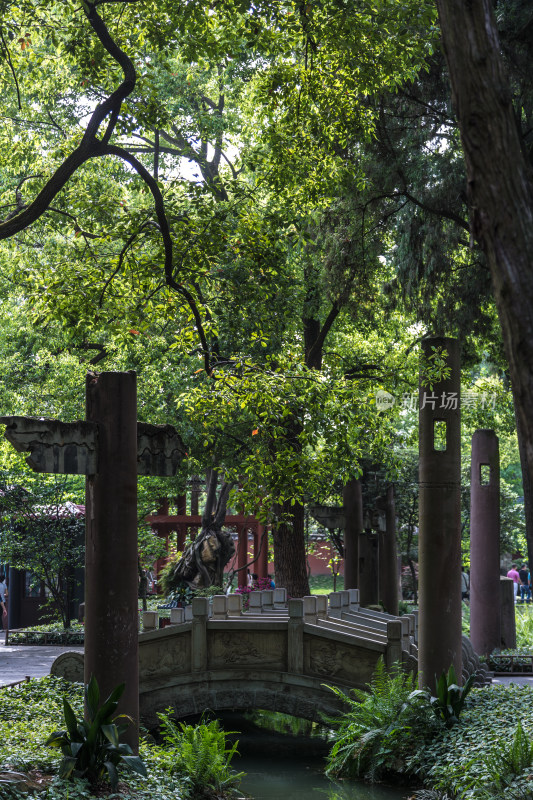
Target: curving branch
93, 147
90, 146
164, 228
12, 69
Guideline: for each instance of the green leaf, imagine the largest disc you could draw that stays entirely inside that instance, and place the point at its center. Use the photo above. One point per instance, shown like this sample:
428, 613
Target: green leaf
134, 763
112, 773
70, 718
92, 697
111, 733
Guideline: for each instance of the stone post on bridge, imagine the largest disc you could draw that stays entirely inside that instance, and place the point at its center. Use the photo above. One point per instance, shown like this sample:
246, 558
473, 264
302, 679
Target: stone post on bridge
485, 604
439, 541
295, 636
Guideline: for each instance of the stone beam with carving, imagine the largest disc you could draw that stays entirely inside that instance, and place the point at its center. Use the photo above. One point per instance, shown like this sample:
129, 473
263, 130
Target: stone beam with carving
54, 446
72, 447
330, 517
160, 450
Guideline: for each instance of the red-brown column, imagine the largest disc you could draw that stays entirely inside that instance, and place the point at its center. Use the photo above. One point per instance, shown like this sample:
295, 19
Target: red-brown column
181, 536
352, 500
242, 556
485, 627
388, 557
261, 546
181, 504
195, 495
439, 541
111, 615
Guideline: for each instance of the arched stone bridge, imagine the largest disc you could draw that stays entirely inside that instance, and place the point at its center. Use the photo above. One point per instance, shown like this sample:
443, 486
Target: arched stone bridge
271, 658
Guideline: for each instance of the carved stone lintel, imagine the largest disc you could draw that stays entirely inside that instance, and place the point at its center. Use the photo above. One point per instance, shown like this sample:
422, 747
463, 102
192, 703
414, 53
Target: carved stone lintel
72, 447
54, 446
160, 450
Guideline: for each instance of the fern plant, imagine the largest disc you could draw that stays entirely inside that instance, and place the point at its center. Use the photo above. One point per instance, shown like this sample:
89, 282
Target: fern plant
379, 726
201, 755
505, 762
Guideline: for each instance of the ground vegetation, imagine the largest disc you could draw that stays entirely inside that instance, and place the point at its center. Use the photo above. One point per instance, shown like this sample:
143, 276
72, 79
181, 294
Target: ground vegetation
32, 710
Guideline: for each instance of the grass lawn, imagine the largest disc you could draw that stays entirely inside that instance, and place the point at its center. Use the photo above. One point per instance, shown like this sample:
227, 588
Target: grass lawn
323, 584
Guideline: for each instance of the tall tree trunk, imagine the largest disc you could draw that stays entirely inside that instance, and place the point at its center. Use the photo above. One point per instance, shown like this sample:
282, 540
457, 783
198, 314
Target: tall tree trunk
290, 562
527, 485
500, 185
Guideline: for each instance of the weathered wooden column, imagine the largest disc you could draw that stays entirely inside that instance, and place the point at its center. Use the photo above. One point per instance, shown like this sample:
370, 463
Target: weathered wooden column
242, 556
439, 541
352, 500
388, 557
111, 615
485, 625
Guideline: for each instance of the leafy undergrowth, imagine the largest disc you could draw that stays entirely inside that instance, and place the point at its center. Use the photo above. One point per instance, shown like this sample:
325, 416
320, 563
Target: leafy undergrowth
460, 745
488, 756
30, 712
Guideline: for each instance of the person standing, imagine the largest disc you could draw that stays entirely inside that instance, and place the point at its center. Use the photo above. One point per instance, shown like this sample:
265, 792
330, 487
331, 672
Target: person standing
525, 583
515, 577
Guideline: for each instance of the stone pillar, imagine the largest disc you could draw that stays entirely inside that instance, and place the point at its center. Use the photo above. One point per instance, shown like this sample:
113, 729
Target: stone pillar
295, 637
352, 500
242, 557
200, 613
368, 568
507, 614
388, 557
111, 577
261, 546
485, 626
439, 540
394, 643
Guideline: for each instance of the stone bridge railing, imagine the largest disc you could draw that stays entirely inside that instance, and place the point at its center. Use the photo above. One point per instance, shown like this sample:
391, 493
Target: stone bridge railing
277, 658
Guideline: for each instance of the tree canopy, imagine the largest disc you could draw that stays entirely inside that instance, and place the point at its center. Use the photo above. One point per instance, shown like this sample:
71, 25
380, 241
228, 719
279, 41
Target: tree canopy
259, 207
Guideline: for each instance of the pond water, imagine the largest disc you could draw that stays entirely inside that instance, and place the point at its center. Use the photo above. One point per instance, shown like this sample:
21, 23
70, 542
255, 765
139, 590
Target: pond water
288, 767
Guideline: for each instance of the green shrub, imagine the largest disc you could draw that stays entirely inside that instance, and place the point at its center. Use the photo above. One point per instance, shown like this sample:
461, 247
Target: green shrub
450, 698
92, 749
31, 710
201, 755
524, 626
380, 726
